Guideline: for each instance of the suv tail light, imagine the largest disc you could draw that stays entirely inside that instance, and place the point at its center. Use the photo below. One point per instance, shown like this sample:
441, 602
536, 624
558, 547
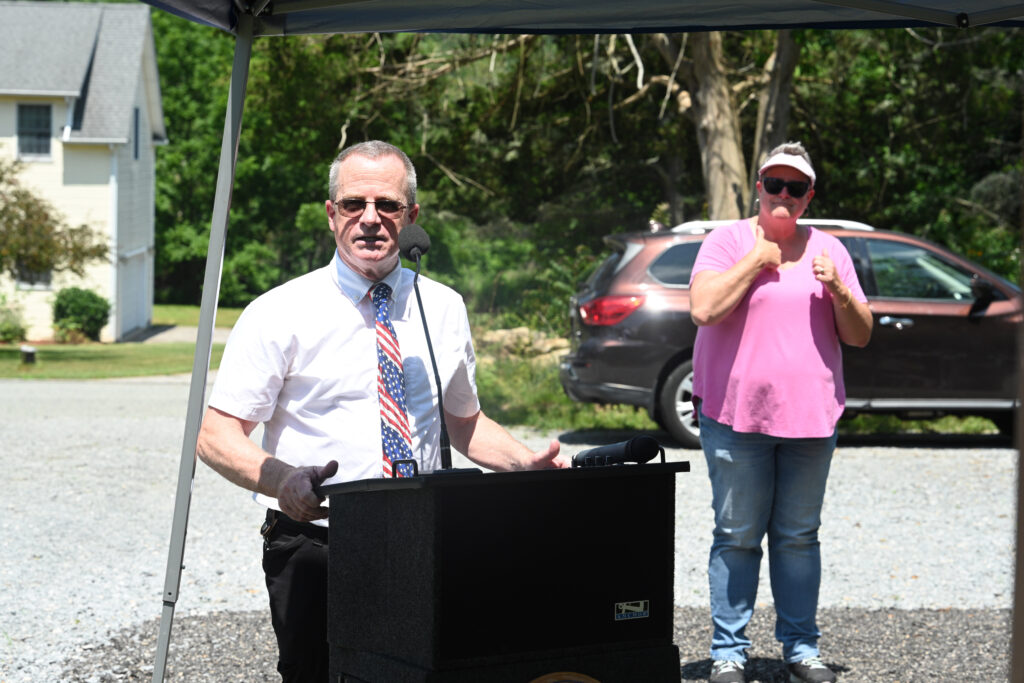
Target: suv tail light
609, 310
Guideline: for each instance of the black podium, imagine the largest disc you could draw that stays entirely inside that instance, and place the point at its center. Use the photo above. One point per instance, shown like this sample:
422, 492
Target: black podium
465, 577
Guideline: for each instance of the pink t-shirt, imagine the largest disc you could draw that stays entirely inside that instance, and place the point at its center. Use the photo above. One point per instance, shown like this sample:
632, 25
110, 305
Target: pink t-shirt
773, 365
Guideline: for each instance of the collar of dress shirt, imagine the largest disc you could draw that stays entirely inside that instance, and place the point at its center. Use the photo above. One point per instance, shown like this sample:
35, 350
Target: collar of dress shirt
354, 286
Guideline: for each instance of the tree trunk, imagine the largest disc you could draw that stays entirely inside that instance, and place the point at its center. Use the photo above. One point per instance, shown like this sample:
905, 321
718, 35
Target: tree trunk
669, 170
773, 103
718, 132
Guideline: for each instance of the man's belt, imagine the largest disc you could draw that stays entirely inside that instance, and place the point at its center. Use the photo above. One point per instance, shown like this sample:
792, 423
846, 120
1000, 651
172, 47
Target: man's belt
278, 520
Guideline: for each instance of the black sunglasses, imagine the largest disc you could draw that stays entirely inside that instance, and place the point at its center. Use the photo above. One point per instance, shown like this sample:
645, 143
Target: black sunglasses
796, 188
355, 207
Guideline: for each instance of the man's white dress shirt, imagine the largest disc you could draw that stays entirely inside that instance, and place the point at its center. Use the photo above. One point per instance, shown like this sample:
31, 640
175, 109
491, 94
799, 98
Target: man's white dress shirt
302, 359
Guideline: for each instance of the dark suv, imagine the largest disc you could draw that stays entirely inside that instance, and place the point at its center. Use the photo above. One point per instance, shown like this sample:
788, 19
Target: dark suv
944, 339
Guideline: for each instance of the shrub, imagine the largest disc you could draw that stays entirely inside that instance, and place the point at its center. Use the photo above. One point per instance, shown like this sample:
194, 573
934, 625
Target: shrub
79, 313
12, 327
248, 273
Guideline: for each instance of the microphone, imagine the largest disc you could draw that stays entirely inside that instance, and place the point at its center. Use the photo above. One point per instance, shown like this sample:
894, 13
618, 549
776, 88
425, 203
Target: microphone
413, 243
639, 449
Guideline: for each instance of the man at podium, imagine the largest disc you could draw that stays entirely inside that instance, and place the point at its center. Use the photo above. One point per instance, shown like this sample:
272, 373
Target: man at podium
336, 366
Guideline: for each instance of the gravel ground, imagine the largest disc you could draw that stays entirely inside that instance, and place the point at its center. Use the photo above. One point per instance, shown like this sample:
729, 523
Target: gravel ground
918, 543
861, 645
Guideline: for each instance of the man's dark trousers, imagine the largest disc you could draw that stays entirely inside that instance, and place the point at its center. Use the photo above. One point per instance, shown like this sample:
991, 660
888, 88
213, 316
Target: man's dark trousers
295, 565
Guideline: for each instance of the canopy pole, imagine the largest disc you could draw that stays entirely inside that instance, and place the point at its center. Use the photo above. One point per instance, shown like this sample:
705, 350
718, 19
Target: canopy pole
204, 340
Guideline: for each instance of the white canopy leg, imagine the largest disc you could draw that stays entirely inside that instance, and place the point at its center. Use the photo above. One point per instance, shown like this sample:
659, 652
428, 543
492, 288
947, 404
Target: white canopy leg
207, 316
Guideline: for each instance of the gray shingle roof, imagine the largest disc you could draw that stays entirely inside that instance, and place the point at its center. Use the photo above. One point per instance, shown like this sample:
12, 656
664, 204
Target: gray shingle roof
95, 52
46, 46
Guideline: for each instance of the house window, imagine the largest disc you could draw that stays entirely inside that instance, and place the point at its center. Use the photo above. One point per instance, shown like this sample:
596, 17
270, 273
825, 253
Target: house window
135, 135
34, 280
34, 130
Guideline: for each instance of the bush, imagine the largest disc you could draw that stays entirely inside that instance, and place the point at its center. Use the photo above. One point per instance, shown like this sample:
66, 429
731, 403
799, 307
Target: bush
248, 273
79, 313
12, 327
503, 273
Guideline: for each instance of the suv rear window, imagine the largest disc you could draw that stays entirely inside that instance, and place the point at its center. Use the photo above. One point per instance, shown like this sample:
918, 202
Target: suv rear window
675, 264
602, 275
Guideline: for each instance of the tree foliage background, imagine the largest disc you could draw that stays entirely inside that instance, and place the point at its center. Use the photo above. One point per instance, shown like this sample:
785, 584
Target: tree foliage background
530, 149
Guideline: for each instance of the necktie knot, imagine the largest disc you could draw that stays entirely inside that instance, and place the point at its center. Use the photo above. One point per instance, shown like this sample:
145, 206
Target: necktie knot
381, 294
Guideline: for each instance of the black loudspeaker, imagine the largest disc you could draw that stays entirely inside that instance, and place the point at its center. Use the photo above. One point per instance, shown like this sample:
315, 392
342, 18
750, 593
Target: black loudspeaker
470, 577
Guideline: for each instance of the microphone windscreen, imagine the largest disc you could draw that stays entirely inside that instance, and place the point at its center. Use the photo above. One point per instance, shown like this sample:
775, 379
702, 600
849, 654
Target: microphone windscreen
413, 241
639, 449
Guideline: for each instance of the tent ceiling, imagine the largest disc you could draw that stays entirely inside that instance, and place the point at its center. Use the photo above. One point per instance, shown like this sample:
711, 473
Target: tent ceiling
288, 17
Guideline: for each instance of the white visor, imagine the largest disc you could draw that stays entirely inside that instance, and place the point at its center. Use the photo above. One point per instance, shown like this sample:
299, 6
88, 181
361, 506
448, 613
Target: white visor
791, 160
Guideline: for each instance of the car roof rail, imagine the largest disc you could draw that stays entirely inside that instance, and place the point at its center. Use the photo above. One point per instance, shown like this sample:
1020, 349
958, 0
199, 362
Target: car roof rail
700, 227
835, 223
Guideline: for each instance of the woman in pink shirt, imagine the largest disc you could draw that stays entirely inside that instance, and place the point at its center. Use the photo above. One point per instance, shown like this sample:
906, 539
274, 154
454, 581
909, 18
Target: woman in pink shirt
773, 300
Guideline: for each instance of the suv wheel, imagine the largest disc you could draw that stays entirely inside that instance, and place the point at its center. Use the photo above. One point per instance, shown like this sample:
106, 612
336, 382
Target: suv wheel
675, 406
1006, 422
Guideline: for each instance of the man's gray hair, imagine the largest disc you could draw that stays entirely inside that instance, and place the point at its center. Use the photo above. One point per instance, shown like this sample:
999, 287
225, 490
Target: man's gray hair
794, 148
373, 149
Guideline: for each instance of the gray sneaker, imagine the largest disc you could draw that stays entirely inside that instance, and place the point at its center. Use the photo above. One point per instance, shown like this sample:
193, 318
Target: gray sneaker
810, 670
726, 671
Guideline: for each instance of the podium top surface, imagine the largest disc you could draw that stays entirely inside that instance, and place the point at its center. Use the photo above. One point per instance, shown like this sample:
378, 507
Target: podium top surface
473, 476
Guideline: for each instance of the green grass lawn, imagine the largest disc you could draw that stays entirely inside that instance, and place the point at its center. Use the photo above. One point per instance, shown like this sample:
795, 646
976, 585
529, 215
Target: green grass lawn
173, 314
96, 361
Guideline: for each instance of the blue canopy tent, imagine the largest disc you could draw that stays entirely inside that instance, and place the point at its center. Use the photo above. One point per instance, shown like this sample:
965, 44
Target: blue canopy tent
248, 20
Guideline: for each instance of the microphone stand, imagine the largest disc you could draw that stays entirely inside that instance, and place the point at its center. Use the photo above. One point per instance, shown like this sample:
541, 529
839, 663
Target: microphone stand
446, 443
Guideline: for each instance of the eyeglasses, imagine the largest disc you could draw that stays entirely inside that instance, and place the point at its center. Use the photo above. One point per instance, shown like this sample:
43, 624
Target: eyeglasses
391, 208
796, 188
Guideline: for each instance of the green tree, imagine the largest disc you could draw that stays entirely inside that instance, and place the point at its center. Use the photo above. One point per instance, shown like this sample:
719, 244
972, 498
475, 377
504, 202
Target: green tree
35, 239
530, 149
195, 69
919, 131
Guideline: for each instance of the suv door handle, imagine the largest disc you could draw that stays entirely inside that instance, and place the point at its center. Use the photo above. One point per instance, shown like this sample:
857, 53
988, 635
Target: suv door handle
898, 323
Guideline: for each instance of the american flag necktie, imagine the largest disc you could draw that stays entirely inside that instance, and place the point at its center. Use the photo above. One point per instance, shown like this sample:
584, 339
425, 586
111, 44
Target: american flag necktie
396, 439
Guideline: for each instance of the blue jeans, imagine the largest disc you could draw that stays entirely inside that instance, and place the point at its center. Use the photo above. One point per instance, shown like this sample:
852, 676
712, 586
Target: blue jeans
763, 484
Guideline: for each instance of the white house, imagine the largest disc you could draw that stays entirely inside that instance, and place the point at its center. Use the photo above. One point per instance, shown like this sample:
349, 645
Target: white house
80, 106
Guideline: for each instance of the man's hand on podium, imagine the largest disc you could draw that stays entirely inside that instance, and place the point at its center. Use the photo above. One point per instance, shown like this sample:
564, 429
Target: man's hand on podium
489, 445
549, 458
297, 495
